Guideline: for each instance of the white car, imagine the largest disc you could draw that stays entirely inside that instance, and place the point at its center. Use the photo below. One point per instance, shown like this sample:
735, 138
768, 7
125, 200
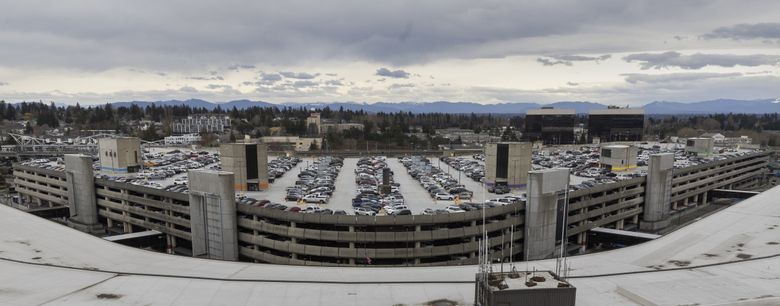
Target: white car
392, 209
500, 201
454, 209
315, 198
362, 211
516, 198
312, 209
443, 196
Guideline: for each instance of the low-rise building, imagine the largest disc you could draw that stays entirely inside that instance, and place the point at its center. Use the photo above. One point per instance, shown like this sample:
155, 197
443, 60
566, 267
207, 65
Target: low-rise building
200, 124
293, 143
316, 125
185, 139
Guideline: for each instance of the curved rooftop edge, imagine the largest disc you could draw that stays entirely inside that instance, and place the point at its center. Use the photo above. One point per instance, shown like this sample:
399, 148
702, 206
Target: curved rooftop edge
728, 258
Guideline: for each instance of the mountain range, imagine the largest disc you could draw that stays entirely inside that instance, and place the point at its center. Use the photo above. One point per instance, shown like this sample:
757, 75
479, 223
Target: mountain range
659, 107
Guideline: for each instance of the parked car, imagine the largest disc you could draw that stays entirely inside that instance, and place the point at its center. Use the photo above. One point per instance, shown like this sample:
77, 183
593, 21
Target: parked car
402, 212
362, 211
454, 209
443, 196
499, 189
312, 209
315, 198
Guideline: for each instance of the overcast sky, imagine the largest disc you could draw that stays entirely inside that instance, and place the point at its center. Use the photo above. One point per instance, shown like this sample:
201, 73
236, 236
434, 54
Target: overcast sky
609, 51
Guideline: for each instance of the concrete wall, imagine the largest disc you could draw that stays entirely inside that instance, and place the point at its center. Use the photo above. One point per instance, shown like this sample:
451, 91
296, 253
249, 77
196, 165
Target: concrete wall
213, 214
519, 164
545, 188
233, 159
262, 165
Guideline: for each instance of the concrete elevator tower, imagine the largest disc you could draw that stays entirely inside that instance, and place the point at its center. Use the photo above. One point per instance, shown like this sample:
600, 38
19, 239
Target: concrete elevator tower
213, 215
80, 179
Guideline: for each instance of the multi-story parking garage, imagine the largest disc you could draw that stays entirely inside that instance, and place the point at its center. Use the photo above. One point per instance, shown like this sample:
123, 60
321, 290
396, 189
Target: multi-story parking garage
275, 236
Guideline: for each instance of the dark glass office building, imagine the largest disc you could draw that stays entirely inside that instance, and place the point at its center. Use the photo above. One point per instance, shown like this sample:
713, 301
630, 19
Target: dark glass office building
618, 124
550, 126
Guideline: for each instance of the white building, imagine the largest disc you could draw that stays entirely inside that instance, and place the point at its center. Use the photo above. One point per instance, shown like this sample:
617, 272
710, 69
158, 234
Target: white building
199, 124
182, 139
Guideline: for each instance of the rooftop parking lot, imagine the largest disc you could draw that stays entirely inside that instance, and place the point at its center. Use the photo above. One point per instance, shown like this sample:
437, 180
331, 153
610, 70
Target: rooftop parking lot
418, 185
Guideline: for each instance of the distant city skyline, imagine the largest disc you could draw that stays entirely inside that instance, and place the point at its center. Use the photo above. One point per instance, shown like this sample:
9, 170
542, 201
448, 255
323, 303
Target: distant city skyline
605, 51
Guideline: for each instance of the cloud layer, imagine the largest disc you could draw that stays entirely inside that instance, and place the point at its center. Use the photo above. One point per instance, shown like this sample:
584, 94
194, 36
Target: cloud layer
498, 51
764, 30
568, 59
700, 60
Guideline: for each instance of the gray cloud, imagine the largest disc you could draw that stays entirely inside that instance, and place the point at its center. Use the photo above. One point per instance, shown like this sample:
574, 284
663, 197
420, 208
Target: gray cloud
218, 86
210, 78
401, 86
334, 83
766, 30
569, 59
169, 35
299, 75
572, 84
634, 78
699, 60
237, 67
398, 74
188, 89
269, 78
3, 83
304, 84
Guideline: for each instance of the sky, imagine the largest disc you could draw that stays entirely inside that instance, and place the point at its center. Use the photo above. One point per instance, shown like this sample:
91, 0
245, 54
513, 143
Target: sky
609, 51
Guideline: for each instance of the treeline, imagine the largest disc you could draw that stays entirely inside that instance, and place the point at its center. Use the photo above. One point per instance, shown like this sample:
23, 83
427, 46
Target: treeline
387, 130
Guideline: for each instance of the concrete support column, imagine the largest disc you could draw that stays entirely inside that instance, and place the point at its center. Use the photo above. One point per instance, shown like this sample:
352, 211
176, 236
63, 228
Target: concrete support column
619, 224
704, 198
658, 192
170, 242
545, 189
213, 215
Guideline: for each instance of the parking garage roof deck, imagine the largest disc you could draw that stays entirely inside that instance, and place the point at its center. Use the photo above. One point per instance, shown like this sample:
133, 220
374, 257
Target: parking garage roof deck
732, 256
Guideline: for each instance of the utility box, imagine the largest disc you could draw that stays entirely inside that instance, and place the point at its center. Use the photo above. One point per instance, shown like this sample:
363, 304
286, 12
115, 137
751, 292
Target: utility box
537, 288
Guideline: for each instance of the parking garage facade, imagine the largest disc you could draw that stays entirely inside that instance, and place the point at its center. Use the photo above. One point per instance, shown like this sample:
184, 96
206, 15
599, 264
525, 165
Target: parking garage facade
282, 237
